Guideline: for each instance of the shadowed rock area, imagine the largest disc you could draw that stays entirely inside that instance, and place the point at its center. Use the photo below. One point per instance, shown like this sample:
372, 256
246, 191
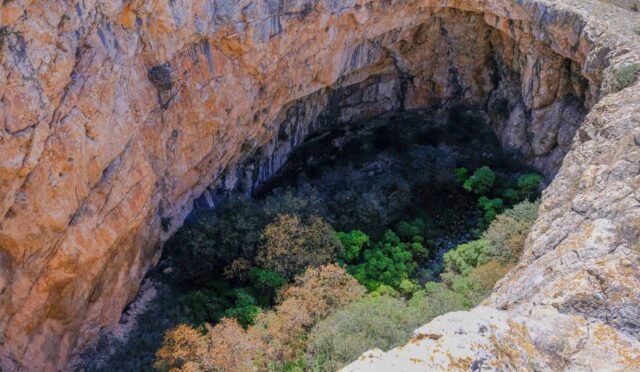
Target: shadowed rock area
118, 115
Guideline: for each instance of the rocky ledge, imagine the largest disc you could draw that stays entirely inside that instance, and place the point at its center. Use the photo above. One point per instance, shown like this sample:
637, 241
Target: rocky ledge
117, 115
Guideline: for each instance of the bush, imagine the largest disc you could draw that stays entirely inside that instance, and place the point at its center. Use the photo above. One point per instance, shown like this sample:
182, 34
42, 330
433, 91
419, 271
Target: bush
313, 296
408, 230
265, 279
216, 238
511, 196
352, 244
490, 207
461, 175
388, 262
374, 322
204, 306
305, 204
481, 182
465, 257
507, 234
478, 283
436, 299
528, 184
322, 290
288, 246
225, 347
245, 309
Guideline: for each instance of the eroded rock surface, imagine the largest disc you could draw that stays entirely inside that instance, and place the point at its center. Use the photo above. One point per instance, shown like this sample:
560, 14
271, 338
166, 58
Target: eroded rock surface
118, 115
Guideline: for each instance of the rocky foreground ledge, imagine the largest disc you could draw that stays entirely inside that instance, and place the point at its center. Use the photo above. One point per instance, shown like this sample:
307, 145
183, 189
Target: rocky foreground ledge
117, 115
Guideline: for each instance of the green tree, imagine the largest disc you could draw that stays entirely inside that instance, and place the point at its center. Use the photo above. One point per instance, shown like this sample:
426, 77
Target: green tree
461, 175
352, 244
481, 182
465, 257
245, 310
389, 262
528, 184
490, 207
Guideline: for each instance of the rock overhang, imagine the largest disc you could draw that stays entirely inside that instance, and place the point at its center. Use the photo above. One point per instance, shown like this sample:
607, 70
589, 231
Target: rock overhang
106, 165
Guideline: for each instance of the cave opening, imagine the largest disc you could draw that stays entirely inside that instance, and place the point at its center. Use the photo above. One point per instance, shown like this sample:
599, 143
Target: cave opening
429, 135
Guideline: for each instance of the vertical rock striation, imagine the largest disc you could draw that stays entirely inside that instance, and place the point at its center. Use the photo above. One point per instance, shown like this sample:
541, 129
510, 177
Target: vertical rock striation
117, 115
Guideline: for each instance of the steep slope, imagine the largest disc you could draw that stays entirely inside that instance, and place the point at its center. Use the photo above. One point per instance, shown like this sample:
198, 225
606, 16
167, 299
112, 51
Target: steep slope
117, 115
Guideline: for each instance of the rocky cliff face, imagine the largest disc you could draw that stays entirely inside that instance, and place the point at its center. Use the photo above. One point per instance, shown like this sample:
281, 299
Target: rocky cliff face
117, 115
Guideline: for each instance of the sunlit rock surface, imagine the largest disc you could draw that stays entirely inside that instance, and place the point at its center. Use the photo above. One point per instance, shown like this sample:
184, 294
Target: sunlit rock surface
117, 115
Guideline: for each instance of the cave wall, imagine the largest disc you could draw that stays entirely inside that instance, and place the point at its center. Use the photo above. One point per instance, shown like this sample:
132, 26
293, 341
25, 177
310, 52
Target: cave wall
536, 99
117, 115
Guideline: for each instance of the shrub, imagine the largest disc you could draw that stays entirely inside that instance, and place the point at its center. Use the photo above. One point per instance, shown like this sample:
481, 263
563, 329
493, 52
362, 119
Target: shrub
507, 234
225, 347
478, 283
305, 204
288, 245
282, 331
490, 207
322, 290
388, 262
511, 196
374, 322
408, 230
436, 299
245, 309
265, 279
461, 175
216, 238
528, 184
481, 182
314, 295
465, 257
352, 244
204, 306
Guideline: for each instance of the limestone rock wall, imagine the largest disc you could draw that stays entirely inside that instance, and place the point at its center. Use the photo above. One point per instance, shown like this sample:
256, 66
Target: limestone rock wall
117, 115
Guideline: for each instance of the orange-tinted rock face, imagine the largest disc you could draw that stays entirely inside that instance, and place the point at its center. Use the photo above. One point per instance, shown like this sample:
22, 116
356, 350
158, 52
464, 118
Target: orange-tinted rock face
117, 115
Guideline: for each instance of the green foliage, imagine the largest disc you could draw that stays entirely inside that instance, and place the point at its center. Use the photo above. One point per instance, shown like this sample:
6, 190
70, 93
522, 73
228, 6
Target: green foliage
528, 184
204, 305
413, 232
511, 196
378, 321
245, 310
507, 233
374, 322
352, 244
490, 207
481, 182
465, 257
266, 279
385, 290
437, 299
461, 175
216, 238
407, 287
388, 262
407, 230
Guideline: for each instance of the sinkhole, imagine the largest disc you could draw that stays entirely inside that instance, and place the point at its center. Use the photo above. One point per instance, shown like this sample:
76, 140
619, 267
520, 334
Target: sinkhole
429, 134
